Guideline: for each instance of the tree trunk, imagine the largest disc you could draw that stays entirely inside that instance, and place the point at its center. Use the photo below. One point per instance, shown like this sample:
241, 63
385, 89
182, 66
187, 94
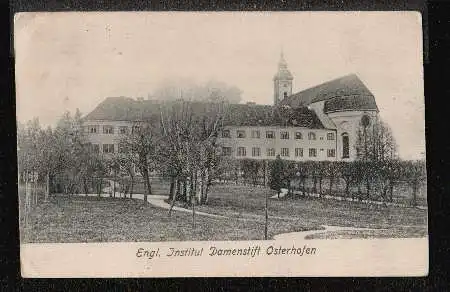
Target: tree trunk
186, 189
147, 184
368, 188
174, 197
359, 190
304, 192
315, 184
114, 185
47, 189
331, 185
347, 185
320, 186
204, 193
131, 187
414, 193
172, 188
391, 191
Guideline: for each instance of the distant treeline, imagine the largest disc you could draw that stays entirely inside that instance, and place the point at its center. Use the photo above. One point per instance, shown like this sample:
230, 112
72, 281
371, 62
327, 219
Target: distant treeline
357, 179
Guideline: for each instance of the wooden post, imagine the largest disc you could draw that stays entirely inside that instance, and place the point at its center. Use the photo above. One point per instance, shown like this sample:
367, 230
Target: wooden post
267, 216
193, 211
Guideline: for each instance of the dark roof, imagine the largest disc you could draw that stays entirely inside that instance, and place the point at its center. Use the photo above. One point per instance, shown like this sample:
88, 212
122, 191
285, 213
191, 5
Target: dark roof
123, 109
349, 91
267, 115
349, 102
128, 109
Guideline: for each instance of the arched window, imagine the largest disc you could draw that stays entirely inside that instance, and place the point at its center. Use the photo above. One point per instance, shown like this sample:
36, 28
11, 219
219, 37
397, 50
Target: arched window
345, 146
311, 136
285, 94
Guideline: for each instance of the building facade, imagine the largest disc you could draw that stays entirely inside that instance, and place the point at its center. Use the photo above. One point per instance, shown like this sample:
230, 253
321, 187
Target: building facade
319, 123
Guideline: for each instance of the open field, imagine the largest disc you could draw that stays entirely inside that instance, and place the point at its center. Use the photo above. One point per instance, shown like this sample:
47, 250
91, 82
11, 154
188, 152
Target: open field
73, 218
249, 202
90, 219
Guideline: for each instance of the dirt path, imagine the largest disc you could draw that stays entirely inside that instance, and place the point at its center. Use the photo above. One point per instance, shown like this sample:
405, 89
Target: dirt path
303, 234
159, 201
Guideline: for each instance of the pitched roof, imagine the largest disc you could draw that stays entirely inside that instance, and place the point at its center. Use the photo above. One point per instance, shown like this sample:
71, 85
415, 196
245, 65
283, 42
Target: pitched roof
349, 91
128, 109
267, 115
123, 109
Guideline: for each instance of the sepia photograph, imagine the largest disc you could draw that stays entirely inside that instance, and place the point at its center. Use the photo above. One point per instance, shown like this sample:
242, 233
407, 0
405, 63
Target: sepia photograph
283, 131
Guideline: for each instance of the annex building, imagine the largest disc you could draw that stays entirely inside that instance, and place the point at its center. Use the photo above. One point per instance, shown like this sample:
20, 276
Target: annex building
319, 123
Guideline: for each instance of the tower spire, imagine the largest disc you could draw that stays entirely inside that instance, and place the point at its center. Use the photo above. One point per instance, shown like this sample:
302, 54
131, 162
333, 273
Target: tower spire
282, 63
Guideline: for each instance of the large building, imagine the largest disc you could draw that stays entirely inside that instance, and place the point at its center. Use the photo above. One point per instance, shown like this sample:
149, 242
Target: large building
319, 123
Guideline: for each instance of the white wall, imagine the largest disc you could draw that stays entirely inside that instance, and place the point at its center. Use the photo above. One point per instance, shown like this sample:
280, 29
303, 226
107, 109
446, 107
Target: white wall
321, 143
348, 122
100, 138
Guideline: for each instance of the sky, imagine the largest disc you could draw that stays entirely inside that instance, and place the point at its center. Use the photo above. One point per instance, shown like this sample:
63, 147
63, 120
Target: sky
71, 60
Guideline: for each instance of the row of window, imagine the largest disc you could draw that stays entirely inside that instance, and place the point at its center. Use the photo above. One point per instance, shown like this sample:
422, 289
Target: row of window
271, 135
270, 152
110, 129
107, 148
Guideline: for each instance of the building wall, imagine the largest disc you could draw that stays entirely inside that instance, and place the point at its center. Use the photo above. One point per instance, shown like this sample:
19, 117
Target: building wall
348, 122
345, 122
321, 144
100, 138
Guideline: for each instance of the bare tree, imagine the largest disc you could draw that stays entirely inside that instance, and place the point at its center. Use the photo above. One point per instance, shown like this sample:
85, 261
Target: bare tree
190, 131
141, 144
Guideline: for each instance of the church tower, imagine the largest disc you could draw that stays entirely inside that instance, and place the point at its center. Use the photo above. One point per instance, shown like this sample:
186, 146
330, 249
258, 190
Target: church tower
282, 81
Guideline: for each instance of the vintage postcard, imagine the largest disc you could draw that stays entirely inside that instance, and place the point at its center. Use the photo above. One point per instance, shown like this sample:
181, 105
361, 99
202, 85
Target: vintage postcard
185, 144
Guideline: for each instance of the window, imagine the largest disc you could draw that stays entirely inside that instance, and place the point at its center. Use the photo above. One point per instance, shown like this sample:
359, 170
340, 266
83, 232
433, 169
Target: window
241, 151
284, 135
226, 134
123, 129
256, 152
365, 121
93, 129
345, 146
270, 151
312, 152
240, 133
285, 94
311, 136
298, 152
108, 130
270, 135
226, 151
255, 134
95, 148
285, 152
331, 153
298, 135
108, 148
330, 136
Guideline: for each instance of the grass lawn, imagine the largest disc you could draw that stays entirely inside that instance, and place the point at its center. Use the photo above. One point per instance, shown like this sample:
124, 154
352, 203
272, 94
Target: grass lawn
68, 218
90, 219
249, 202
